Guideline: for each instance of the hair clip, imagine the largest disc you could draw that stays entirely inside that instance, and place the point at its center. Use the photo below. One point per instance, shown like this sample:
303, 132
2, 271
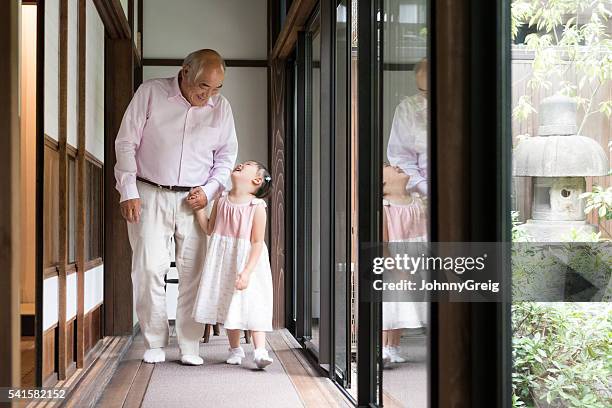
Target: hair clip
267, 178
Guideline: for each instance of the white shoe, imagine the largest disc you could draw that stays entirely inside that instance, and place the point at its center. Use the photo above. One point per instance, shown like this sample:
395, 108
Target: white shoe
190, 359
261, 358
235, 356
154, 355
395, 356
385, 355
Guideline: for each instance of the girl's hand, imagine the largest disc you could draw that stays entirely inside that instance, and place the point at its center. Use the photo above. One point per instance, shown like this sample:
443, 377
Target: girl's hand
242, 280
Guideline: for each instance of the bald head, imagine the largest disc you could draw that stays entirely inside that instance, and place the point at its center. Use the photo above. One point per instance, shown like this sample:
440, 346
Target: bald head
420, 72
202, 76
202, 60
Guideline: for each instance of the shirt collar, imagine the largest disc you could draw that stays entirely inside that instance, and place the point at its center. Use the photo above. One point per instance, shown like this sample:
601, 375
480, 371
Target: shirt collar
175, 91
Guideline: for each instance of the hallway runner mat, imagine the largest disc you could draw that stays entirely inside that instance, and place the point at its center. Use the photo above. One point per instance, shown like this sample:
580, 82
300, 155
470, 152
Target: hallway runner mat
218, 384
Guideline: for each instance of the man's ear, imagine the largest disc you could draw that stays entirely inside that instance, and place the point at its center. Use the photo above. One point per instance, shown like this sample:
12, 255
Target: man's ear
185, 72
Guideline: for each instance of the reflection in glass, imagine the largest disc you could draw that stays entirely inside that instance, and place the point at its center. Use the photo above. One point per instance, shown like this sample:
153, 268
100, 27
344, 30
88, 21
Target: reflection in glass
404, 185
316, 189
343, 298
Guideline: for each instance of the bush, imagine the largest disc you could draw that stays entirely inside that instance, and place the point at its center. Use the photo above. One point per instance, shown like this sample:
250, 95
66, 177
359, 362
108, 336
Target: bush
562, 354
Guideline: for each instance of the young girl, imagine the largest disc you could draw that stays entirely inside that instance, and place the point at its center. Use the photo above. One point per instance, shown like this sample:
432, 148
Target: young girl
236, 284
404, 220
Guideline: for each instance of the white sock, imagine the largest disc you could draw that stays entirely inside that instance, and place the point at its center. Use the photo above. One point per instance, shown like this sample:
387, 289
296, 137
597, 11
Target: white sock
190, 359
154, 355
235, 356
261, 357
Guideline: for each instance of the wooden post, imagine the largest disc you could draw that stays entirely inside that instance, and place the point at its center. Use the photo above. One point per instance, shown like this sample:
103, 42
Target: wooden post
63, 184
10, 365
80, 188
117, 252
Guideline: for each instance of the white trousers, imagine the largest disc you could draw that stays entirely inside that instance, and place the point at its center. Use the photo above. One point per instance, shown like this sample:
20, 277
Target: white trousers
166, 214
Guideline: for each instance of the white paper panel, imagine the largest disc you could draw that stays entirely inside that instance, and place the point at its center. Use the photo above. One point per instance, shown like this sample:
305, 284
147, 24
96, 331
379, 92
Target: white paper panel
51, 68
94, 87
71, 296
94, 287
237, 29
50, 302
73, 80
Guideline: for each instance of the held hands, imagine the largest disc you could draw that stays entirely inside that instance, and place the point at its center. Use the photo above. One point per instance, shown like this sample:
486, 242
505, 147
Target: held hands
242, 280
197, 199
130, 210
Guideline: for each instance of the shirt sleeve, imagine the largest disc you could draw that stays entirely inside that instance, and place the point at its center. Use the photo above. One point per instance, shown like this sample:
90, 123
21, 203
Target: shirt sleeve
224, 157
400, 151
127, 143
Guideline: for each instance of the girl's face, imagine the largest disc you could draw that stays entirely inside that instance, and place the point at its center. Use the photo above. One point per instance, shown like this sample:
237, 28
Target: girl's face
394, 173
247, 174
394, 179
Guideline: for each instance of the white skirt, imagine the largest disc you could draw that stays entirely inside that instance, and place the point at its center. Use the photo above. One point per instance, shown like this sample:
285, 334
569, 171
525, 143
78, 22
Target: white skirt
403, 315
218, 301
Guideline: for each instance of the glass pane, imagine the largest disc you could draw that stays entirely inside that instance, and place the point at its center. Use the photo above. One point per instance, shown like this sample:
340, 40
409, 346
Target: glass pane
341, 202
561, 134
316, 189
404, 185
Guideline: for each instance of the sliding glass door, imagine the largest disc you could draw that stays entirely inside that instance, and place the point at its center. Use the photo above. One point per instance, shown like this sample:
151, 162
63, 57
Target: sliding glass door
343, 308
404, 122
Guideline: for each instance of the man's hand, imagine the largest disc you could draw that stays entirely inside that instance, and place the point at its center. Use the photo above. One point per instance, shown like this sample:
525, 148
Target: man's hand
197, 199
130, 210
242, 280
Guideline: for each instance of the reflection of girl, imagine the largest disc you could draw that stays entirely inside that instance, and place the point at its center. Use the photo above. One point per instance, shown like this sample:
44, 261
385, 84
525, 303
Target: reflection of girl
407, 147
236, 284
404, 220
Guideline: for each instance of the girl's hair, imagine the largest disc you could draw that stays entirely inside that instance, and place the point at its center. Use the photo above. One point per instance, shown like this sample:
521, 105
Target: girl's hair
266, 186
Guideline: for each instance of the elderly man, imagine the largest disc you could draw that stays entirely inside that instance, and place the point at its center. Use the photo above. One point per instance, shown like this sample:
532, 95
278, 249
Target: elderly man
407, 147
175, 150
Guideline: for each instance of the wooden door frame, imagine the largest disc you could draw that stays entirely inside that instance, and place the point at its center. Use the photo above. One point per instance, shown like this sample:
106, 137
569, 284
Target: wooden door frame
10, 375
119, 60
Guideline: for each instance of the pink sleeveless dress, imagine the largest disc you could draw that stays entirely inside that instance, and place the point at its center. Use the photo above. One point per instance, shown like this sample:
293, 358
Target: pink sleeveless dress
218, 301
405, 223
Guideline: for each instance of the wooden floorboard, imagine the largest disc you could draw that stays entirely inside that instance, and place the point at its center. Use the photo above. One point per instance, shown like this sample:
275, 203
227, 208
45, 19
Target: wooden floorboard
28, 361
117, 390
128, 385
314, 389
390, 402
139, 386
90, 389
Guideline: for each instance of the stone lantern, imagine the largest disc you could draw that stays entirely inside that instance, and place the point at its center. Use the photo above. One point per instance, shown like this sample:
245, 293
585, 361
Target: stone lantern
558, 160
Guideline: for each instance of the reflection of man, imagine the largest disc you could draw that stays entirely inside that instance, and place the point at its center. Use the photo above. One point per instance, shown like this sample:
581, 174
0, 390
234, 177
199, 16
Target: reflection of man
175, 150
407, 147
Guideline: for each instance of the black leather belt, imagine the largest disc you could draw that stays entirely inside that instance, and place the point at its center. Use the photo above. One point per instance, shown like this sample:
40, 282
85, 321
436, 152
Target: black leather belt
171, 188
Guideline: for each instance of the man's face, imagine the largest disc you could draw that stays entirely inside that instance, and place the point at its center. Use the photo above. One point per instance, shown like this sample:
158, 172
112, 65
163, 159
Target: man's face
207, 84
421, 80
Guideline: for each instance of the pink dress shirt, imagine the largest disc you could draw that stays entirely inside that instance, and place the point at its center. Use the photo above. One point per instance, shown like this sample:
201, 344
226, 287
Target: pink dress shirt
164, 139
407, 146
